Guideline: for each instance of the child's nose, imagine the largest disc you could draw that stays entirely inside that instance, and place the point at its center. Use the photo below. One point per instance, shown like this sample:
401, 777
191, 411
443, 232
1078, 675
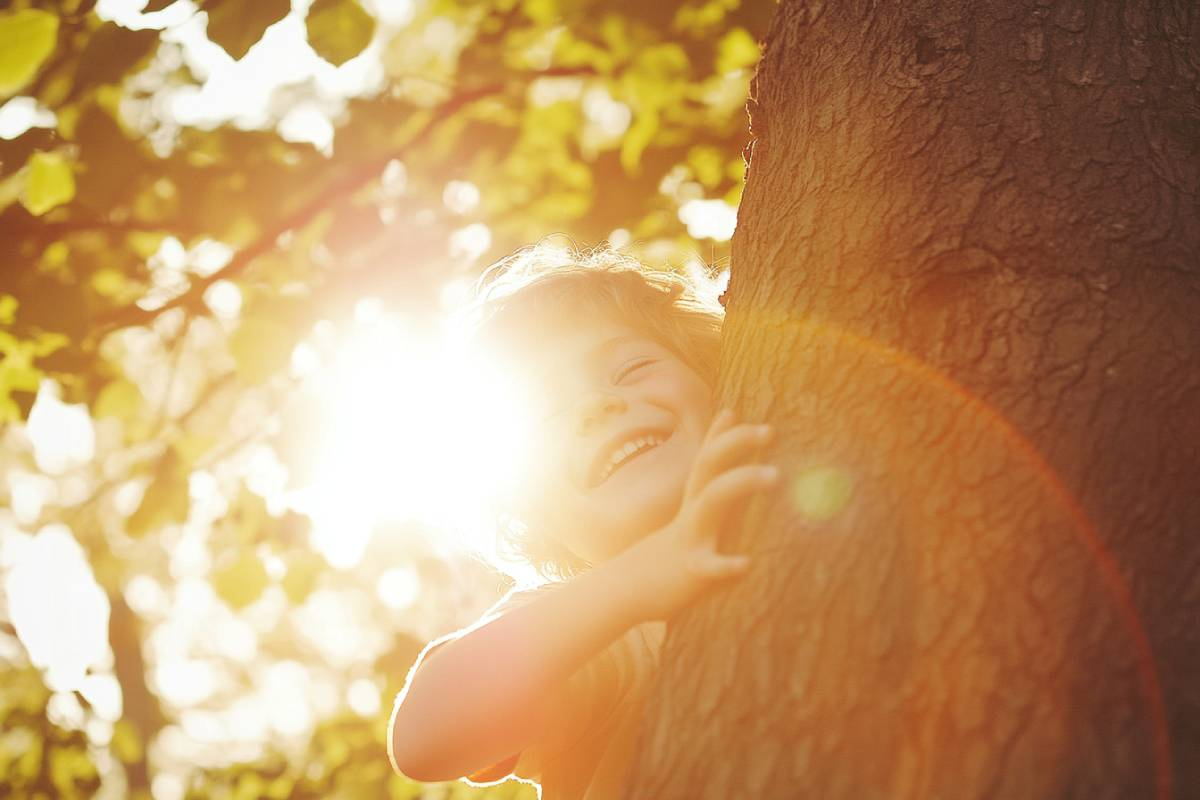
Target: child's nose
597, 406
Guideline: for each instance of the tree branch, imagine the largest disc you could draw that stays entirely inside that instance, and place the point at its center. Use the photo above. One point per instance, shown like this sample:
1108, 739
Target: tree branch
333, 194
55, 229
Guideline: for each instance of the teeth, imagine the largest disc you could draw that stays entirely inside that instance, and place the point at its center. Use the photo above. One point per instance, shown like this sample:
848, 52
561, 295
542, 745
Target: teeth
622, 453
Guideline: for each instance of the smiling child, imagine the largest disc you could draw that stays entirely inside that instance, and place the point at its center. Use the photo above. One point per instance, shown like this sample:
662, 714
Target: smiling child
630, 478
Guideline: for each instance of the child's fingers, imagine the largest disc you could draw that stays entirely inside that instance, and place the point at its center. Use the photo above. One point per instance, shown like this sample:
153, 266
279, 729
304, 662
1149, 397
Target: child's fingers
719, 497
734, 445
720, 421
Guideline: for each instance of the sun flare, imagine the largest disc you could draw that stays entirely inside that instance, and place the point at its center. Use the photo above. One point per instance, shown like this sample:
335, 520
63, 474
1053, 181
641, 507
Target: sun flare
409, 424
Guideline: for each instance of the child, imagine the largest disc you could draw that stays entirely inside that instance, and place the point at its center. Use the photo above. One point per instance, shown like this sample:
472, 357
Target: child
620, 510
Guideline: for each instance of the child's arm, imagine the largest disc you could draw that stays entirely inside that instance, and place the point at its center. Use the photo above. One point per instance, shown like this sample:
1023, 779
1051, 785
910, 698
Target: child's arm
490, 693
484, 696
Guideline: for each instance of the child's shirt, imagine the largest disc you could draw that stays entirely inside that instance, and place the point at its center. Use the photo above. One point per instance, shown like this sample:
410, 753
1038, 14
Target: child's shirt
592, 739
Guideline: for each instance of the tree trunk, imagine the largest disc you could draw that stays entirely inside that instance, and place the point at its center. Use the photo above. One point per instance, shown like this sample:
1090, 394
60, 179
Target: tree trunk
966, 288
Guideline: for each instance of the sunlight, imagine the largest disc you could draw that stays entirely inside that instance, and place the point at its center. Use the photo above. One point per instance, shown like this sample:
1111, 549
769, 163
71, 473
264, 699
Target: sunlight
363, 697
398, 587
29, 492
58, 610
709, 219
308, 123
241, 90
470, 242
412, 427
61, 434
22, 113
281, 684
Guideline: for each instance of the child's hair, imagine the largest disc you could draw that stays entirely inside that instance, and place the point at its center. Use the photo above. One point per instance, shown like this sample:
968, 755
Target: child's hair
542, 283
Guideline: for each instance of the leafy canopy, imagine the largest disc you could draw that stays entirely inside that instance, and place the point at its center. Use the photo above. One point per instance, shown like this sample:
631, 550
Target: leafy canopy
172, 227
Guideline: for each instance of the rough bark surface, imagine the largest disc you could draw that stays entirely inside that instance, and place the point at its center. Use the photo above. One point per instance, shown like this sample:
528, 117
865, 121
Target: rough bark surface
966, 288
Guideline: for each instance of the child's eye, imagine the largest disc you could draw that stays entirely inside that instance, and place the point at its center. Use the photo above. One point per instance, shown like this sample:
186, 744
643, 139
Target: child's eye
628, 370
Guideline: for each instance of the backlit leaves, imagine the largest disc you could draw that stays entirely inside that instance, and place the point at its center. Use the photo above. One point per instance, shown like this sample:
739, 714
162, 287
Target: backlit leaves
48, 184
566, 114
736, 50
656, 78
26, 40
110, 160
166, 499
73, 773
19, 372
339, 29
708, 165
241, 580
110, 53
304, 568
237, 25
37, 757
260, 347
122, 399
126, 742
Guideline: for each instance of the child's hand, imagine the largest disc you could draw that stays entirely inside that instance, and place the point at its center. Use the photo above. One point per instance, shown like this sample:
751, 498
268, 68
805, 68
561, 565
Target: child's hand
676, 563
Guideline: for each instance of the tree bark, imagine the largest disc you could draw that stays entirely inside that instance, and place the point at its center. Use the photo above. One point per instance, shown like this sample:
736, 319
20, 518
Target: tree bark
966, 288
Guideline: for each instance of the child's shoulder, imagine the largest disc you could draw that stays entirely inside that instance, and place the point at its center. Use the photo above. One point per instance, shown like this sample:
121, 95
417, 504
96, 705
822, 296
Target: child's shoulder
519, 595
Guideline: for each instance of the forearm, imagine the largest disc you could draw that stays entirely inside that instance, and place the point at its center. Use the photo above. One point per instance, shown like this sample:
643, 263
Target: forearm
484, 696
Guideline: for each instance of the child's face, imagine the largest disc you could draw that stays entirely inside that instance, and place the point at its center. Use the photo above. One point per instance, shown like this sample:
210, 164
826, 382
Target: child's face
597, 388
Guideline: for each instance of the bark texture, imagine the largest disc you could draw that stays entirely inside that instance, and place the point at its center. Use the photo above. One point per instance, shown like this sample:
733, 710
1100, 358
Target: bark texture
966, 288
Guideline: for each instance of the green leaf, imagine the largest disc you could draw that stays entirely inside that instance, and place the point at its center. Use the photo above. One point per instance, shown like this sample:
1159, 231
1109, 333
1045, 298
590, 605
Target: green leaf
260, 347
736, 50
304, 568
191, 447
8, 309
571, 51
241, 581
339, 29
126, 743
49, 184
112, 161
27, 38
639, 135
237, 25
110, 53
72, 772
166, 499
11, 188
707, 163
249, 787
122, 399
280, 788
543, 12
19, 377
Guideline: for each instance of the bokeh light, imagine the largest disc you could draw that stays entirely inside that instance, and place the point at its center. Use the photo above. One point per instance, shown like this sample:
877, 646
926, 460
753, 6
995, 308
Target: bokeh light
57, 608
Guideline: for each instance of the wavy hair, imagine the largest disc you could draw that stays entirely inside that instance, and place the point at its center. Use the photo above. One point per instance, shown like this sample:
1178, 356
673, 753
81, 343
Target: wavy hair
543, 285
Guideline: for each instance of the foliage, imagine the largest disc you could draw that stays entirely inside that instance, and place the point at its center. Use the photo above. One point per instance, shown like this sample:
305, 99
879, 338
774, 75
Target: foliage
342, 762
37, 755
126, 216
26, 39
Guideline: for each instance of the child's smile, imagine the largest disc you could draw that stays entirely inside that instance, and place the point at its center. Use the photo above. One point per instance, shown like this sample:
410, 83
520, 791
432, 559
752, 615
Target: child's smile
622, 418
624, 448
